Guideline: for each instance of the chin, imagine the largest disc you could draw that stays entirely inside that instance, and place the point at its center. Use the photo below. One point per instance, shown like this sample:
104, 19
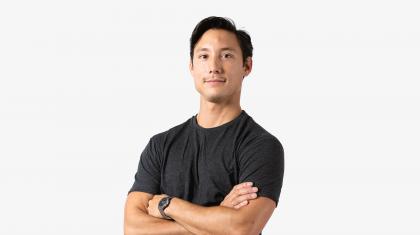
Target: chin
214, 99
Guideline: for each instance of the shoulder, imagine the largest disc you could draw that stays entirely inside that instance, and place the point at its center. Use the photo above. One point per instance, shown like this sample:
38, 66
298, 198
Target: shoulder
264, 146
160, 138
255, 135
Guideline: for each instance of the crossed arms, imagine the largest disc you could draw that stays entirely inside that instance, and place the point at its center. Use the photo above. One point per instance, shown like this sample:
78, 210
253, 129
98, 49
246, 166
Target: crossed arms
241, 212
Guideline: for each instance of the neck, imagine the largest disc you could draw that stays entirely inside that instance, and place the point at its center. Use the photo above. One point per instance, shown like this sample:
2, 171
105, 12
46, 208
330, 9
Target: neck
216, 114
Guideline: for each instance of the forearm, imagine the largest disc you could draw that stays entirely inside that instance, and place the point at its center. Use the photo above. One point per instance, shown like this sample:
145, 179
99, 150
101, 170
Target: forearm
139, 222
205, 220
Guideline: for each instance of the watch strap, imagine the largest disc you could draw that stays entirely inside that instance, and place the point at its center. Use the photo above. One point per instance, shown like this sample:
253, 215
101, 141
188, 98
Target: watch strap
162, 208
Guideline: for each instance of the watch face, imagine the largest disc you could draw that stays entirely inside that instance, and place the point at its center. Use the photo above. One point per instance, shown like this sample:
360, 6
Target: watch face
163, 202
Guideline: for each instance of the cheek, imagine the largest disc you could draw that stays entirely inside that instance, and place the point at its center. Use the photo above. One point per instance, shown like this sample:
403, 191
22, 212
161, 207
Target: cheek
198, 75
195, 76
198, 84
200, 69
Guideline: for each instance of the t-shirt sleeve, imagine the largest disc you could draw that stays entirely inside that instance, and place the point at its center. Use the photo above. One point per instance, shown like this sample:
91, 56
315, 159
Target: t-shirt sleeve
262, 162
147, 177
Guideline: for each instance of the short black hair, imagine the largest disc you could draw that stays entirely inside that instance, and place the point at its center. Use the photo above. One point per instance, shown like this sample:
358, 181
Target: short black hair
215, 22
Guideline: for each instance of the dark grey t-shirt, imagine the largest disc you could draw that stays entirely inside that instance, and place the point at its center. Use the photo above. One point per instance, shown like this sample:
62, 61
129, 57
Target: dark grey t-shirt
201, 165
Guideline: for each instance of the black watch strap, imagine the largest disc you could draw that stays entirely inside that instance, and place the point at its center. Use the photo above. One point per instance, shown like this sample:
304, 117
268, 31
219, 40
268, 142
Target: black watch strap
163, 203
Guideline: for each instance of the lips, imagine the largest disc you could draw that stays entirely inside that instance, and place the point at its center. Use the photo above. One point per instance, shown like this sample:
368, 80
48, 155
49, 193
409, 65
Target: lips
215, 80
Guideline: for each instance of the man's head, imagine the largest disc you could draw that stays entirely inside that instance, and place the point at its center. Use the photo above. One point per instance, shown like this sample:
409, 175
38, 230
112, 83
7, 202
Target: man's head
218, 51
214, 22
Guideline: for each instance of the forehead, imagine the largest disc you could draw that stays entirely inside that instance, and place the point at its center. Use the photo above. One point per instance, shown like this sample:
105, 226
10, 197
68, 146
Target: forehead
217, 39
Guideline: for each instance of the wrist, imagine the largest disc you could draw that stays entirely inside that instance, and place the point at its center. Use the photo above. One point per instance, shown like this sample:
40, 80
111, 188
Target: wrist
170, 208
162, 205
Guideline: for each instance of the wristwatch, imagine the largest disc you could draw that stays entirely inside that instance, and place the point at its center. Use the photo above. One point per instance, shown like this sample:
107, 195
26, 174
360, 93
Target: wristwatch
163, 203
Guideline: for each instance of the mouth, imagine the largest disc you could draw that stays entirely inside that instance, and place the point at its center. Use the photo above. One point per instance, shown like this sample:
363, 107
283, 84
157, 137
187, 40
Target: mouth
215, 80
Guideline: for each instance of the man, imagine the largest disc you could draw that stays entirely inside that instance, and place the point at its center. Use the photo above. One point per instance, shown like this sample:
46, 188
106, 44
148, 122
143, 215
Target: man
195, 178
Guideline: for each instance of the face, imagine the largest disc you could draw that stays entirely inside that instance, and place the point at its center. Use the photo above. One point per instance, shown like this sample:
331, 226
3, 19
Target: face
217, 67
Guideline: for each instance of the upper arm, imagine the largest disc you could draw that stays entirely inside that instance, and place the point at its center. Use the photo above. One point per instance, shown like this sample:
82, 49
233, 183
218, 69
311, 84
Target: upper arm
262, 162
254, 216
147, 177
146, 184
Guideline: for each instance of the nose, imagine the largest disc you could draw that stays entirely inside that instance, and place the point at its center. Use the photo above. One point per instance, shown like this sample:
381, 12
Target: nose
215, 66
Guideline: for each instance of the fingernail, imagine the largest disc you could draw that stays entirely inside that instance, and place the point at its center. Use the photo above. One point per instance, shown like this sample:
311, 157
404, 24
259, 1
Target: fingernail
249, 183
254, 189
254, 195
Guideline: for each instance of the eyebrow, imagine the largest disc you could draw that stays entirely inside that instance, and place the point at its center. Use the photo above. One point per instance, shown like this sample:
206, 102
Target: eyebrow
222, 49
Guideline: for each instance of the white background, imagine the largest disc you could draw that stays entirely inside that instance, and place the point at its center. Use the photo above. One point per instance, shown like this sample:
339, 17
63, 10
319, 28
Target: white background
85, 84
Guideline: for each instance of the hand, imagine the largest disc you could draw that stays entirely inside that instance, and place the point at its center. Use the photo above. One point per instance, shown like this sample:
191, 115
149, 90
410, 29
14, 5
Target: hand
239, 195
152, 208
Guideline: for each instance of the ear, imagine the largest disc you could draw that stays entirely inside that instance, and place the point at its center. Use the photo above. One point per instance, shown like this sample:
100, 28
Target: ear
248, 66
191, 66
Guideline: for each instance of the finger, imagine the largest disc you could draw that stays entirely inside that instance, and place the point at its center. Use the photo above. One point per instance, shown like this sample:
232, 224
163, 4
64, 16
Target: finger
242, 185
236, 198
233, 192
242, 198
244, 203
243, 191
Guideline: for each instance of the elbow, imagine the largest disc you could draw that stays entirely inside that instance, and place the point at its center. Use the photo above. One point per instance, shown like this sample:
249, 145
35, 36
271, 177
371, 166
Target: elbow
134, 230
135, 226
130, 230
243, 231
243, 227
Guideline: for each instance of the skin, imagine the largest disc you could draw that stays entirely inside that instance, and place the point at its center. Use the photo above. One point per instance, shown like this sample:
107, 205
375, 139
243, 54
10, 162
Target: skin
237, 198
217, 55
219, 103
239, 195
140, 218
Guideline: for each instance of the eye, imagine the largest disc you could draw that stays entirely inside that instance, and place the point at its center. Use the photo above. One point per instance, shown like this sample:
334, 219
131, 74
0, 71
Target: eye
228, 55
203, 56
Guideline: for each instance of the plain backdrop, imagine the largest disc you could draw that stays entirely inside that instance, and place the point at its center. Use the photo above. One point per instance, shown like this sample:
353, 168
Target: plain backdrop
85, 84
